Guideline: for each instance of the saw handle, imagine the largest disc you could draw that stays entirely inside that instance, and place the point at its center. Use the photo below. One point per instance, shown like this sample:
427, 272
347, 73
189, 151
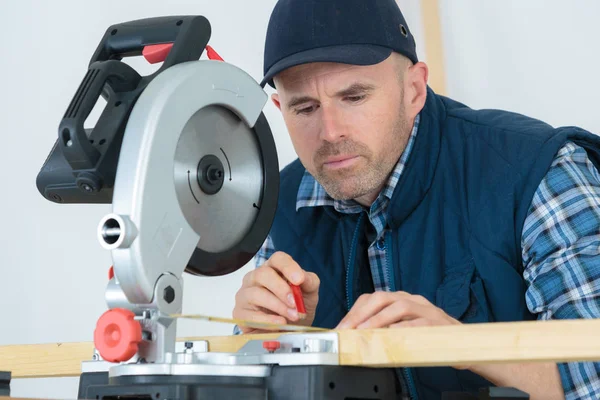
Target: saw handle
189, 35
113, 78
120, 85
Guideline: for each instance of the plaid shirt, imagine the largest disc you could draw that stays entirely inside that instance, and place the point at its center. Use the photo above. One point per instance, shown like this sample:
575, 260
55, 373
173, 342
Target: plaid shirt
560, 242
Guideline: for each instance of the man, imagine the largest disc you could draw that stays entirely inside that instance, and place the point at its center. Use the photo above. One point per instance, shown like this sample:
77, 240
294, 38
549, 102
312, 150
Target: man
406, 208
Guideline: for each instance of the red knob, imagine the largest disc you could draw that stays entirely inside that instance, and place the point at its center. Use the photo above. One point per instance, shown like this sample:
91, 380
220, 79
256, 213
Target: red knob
271, 345
117, 335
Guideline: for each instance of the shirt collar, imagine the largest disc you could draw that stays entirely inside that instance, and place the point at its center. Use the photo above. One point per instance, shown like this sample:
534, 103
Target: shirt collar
312, 194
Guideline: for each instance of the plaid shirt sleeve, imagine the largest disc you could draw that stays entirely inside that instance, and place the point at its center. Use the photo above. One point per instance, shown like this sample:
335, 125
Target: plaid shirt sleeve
561, 243
263, 254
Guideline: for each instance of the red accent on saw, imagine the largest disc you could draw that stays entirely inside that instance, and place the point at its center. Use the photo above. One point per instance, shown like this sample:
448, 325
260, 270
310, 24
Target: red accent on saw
299, 300
212, 54
271, 345
156, 53
117, 335
111, 273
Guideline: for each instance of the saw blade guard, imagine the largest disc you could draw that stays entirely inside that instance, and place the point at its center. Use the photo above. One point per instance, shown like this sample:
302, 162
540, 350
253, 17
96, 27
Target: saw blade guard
197, 179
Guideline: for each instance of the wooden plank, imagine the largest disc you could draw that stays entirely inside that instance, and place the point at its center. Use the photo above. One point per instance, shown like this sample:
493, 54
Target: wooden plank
531, 341
434, 45
64, 359
559, 341
45, 360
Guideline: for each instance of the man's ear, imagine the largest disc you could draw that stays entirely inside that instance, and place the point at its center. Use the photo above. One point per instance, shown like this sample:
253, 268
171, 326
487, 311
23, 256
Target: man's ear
417, 77
275, 100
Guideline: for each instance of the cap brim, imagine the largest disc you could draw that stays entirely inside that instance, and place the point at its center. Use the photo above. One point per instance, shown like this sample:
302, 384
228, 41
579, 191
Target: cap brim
355, 54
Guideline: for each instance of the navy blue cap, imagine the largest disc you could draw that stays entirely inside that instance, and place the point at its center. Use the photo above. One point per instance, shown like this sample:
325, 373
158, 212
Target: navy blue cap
359, 32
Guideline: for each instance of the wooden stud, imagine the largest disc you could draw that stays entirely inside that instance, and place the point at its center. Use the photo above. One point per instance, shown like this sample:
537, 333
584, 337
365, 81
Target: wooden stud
45, 360
434, 46
529, 341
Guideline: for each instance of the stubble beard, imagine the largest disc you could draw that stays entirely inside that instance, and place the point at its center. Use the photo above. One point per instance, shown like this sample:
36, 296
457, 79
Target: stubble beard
370, 172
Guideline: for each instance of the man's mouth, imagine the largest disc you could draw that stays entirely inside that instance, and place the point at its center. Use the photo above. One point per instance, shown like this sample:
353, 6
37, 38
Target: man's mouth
338, 162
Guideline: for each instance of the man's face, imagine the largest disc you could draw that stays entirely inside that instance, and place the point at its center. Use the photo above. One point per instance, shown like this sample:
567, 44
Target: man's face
348, 124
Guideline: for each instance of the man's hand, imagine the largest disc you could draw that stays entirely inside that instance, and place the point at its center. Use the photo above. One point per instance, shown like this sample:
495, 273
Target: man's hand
394, 310
266, 296
400, 309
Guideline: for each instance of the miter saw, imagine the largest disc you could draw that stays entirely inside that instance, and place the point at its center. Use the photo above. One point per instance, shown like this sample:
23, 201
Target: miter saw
187, 160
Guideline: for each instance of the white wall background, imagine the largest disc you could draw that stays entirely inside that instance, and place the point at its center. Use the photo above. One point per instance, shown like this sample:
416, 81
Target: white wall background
537, 57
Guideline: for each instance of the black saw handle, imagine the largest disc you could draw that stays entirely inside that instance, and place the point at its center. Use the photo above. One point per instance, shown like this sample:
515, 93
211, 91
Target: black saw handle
189, 35
111, 79
82, 165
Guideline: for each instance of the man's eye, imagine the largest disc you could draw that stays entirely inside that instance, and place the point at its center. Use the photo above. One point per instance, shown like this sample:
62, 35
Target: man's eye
305, 110
354, 99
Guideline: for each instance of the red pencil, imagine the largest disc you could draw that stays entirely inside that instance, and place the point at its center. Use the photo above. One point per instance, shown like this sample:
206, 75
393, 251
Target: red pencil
297, 292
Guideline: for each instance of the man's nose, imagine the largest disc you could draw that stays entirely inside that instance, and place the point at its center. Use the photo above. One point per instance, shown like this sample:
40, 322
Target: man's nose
332, 124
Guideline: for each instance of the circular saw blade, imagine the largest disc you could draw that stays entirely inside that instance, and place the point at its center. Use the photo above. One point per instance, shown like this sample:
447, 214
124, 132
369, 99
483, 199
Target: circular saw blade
224, 216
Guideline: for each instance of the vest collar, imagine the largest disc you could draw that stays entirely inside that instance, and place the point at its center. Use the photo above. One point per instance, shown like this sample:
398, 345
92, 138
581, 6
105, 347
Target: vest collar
420, 168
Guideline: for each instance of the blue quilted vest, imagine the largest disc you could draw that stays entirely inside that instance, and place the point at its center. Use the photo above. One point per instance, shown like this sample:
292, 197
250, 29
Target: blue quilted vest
456, 215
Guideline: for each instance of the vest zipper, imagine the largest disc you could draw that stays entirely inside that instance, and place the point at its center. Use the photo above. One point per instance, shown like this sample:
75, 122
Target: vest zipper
412, 390
407, 372
391, 277
350, 268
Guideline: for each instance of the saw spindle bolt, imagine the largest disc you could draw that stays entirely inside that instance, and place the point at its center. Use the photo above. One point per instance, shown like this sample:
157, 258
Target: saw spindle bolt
214, 174
211, 174
169, 294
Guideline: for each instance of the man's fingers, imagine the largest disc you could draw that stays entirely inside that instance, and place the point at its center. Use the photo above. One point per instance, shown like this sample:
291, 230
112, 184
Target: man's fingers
269, 278
365, 307
247, 279
353, 317
381, 309
278, 275
260, 298
281, 262
288, 268
311, 283
400, 310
